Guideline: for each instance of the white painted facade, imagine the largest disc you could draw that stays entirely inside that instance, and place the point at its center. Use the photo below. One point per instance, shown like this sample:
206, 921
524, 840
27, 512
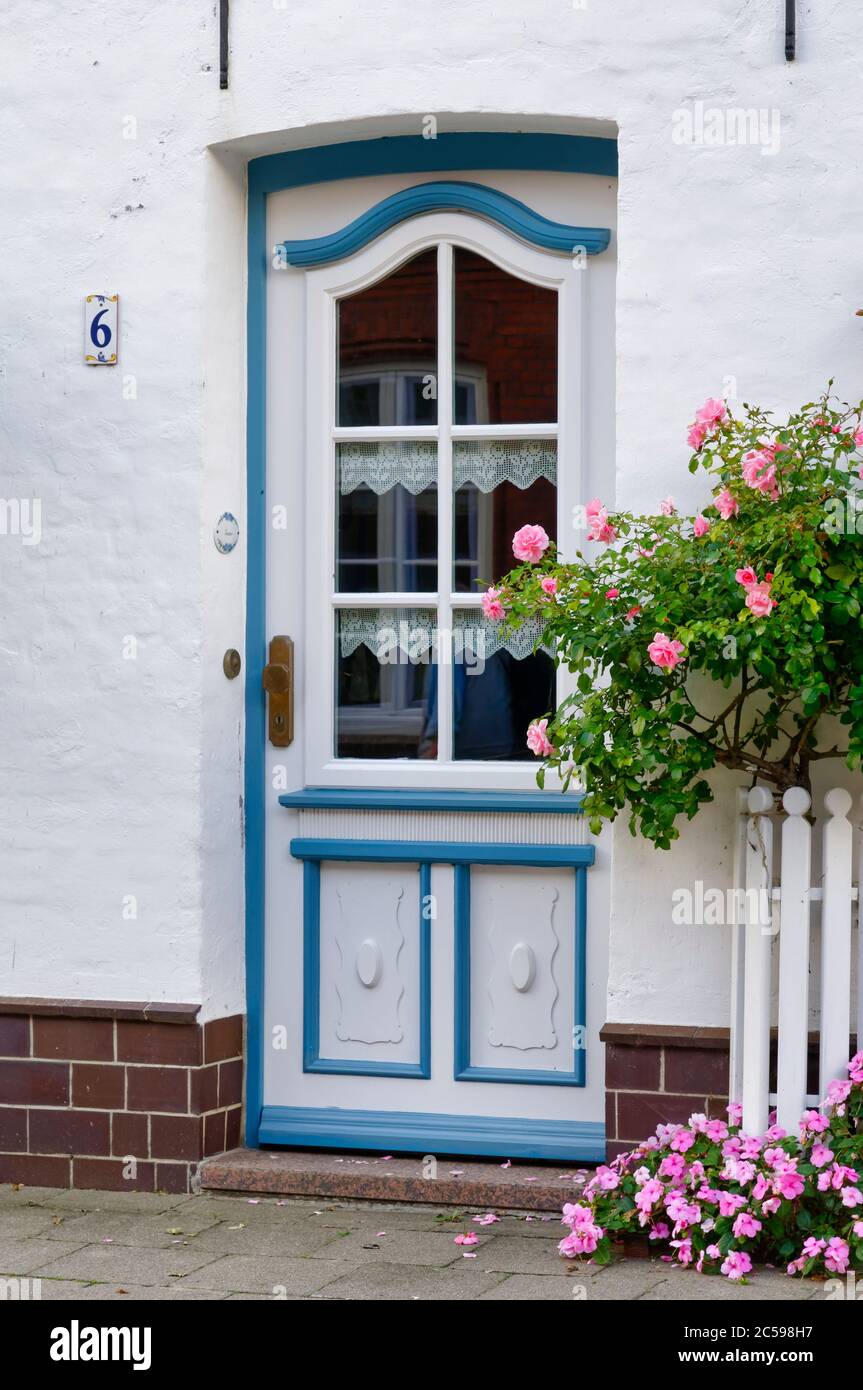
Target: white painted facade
124, 171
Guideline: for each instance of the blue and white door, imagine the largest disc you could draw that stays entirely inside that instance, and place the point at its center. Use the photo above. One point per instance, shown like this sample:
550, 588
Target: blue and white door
439, 372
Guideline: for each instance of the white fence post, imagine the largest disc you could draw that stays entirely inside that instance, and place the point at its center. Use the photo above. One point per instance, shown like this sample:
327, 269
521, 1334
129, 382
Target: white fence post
795, 885
738, 951
759, 940
836, 937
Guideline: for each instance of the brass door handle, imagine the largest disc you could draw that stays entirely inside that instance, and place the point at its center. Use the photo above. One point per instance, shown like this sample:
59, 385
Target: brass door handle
278, 681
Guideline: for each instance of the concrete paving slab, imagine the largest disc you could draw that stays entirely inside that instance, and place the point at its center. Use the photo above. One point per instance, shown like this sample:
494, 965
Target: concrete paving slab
23, 1256
162, 1230
407, 1283
117, 1263
248, 1274
395, 1247
538, 1288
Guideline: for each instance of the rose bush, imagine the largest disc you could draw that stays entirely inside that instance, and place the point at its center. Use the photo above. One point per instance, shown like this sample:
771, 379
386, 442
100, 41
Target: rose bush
723, 1199
726, 639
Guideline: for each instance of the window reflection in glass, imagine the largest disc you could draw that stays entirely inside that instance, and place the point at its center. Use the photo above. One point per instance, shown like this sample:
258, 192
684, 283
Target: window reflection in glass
385, 675
496, 691
387, 353
499, 486
387, 516
505, 333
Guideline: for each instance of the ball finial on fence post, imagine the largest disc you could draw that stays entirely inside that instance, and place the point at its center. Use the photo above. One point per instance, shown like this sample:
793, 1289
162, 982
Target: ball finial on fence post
838, 801
759, 801
796, 801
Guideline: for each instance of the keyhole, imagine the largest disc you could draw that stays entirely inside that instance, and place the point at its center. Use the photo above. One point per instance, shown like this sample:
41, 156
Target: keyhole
278, 721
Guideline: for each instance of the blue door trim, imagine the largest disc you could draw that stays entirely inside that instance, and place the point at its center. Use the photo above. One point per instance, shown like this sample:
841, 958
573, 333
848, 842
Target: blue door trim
341, 1066
417, 1132
433, 799
439, 196
404, 154
528, 1076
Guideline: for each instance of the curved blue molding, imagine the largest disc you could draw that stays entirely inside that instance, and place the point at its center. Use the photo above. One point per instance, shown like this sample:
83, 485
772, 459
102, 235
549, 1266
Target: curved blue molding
451, 196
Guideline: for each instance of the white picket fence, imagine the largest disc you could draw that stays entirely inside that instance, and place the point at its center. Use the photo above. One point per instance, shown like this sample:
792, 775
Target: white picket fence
773, 918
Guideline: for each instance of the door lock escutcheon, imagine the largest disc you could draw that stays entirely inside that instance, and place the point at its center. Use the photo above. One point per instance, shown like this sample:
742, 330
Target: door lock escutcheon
278, 681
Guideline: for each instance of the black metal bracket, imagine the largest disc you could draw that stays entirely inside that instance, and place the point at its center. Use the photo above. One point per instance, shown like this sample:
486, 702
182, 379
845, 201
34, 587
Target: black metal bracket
790, 30
223, 44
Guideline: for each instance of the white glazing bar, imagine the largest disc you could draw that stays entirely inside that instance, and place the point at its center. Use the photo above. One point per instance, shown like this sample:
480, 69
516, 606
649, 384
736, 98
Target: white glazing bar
504, 431
759, 941
356, 434
793, 937
446, 501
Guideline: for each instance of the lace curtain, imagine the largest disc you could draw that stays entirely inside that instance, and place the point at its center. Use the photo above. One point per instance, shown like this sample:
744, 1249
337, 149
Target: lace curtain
413, 631
380, 465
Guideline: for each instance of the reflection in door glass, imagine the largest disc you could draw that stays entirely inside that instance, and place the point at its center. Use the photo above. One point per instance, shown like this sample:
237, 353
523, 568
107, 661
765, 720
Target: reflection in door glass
387, 516
497, 689
385, 684
387, 363
500, 485
505, 333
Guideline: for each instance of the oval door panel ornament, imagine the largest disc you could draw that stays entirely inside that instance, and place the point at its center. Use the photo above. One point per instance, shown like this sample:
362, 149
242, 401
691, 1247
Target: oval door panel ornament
522, 966
370, 963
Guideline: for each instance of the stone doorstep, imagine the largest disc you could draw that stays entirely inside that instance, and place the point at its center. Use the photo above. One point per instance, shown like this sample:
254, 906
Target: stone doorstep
370, 1177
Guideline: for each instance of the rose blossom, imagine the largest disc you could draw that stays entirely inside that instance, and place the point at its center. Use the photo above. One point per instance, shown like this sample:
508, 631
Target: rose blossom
548, 585
664, 652
537, 739
712, 413
612, 593
726, 504
697, 434
700, 525
530, 543
667, 507
598, 526
746, 576
491, 604
758, 600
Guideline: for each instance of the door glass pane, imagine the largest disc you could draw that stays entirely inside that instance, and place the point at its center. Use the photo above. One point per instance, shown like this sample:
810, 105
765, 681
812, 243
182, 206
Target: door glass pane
387, 353
499, 685
499, 485
387, 516
386, 684
505, 332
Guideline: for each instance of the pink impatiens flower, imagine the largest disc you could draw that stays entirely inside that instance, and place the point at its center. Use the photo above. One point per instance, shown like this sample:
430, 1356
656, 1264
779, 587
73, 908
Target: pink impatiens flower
470, 1238
664, 652
700, 526
736, 1264
530, 543
836, 1255
746, 1225
821, 1155
537, 739
491, 604
726, 504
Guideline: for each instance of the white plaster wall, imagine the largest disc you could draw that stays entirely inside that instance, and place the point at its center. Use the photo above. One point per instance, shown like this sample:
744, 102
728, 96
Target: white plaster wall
121, 777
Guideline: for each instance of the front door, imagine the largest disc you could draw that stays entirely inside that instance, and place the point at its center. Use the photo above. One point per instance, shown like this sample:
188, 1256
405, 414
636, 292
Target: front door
435, 947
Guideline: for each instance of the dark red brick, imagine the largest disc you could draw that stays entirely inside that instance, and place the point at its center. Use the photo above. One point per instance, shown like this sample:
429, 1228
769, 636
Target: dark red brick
172, 1177
74, 1039
611, 1115
69, 1132
158, 1088
130, 1135
176, 1136
231, 1083
204, 1089
632, 1068
14, 1036
168, 1044
696, 1069
109, 1175
233, 1119
214, 1133
96, 1087
34, 1170
638, 1112
13, 1130
223, 1038
34, 1083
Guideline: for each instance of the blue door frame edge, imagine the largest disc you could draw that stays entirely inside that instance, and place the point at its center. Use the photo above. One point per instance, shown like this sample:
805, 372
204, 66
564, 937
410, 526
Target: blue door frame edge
406, 1131
350, 159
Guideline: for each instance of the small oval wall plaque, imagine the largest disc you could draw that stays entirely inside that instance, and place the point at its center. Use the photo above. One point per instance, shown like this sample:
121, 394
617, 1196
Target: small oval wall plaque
226, 533
231, 663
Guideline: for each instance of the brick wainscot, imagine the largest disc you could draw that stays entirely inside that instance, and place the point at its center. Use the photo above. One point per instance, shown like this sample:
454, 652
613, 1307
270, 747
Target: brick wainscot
120, 1096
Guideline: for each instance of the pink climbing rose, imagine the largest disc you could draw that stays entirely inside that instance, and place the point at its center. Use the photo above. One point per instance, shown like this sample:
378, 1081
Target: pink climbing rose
696, 435
746, 576
530, 543
491, 604
548, 585
665, 652
758, 600
726, 504
599, 527
667, 507
537, 739
700, 526
712, 413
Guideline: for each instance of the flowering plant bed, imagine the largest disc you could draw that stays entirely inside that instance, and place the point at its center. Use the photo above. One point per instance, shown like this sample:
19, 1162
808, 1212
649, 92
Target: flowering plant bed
760, 595
722, 1200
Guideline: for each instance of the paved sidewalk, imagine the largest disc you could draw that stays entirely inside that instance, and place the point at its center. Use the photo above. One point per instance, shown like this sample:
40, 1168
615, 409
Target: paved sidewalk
126, 1246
